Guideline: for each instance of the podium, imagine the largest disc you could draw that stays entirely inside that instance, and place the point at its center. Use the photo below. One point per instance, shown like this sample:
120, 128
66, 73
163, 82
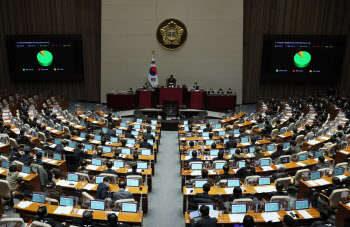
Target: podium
197, 99
145, 98
121, 101
170, 94
221, 102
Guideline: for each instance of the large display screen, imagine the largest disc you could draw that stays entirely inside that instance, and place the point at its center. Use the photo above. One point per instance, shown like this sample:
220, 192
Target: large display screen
45, 57
302, 59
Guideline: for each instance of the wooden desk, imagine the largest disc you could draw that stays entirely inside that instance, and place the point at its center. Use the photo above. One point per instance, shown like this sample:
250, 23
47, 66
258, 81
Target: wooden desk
62, 165
341, 156
232, 119
343, 214
32, 180
225, 219
30, 212
4, 149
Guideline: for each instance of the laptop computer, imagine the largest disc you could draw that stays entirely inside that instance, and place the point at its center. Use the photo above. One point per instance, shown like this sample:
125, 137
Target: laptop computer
286, 145
244, 139
26, 169
142, 165
88, 147
271, 147
241, 164
209, 142
214, 152
318, 154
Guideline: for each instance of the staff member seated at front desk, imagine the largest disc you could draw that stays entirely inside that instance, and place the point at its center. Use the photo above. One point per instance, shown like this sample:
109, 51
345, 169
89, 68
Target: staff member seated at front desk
171, 82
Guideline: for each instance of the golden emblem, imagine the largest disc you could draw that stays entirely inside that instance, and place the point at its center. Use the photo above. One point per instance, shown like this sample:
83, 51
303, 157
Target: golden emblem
171, 34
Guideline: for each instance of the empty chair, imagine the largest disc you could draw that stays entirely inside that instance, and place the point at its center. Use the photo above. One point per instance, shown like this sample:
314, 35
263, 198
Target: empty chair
333, 200
12, 222
51, 200
299, 140
274, 133
120, 201
42, 137
299, 175
285, 181
331, 150
86, 197
251, 180
247, 201
8, 193
290, 127
324, 171
39, 224
66, 130
253, 129
3, 158
301, 153
285, 157
13, 143
83, 176
345, 165
113, 177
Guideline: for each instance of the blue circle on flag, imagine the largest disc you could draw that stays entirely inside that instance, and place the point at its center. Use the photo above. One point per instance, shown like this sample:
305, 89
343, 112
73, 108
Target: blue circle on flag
153, 71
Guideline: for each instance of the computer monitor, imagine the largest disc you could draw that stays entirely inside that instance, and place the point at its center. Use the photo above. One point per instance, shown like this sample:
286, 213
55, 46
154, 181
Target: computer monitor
130, 182
154, 128
97, 205
135, 133
139, 120
302, 157
129, 207
98, 180
222, 133
142, 165
38, 198
126, 151
99, 119
195, 213
146, 152
57, 156
209, 142
244, 139
271, 147
272, 207
186, 128
82, 123
185, 122
286, 145
301, 204
261, 126
58, 141
66, 201
118, 163
238, 208
114, 139
233, 150
217, 126
214, 152
104, 130
119, 131
200, 183
338, 171
26, 169
232, 183
82, 135
284, 160
88, 147
5, 165
210, 205
116, 116
96, 162
241, 164
251, 149
122, 124
72, 177
33, 134
194, 142
97, 137
236, 131
205, 134
150, 141
72, 144
315, 175
59, 128
264, 181
196, 166
25, 147
282, 131
154, 122
106, 149
130, 141
219, 165
202, 127
265, 162
137, 126
41, 152
318, 154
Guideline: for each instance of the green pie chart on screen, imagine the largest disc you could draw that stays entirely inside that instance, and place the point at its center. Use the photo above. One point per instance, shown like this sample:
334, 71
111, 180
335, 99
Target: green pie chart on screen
44, 58
302, 59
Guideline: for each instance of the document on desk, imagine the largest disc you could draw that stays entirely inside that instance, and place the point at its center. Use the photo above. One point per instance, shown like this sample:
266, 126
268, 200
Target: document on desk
341, 177
212, 172
63, 210
321, 182
60, 182
196, 173
188, 191
267, 168
89, 186
68, 148
214, 214
116, 213
236, 218
69, 184
249, 155
271, 216
23, 204
23, 175
245, 143
54, 131
344, 152
79, 138
228, 190
300, 164
348, 204
80, 211
305, 214
324, 137
130, 145
92, 167
311, 183
2, 170
94, 122
313, 142
95, 141
52, 146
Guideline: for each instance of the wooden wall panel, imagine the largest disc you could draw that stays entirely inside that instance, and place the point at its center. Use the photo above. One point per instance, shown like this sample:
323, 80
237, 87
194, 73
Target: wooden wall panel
289, 17
23, 17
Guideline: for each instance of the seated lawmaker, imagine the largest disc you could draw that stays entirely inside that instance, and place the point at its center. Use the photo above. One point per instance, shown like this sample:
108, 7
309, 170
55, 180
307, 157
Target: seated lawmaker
171, 81
109, 169
102, 188
134, 170
226, 175
42, 217
229, 91
194, 158
122, 193
145, 86
221, 92
206, 219
205, 194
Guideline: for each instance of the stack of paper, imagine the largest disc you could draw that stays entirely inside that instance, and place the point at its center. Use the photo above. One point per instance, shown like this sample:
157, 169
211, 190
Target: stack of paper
60, 182
92, 167
236, 218
94, 122
80, 211
188, 191
212, 172
229, 190
271, 216
79, 138
245, 143
267, 168
265, 189
95, 141
196, 173
348, 204
313, 142
321, 182
311, 183
54, 131
344, 152
305, 214
324, 137
68, 148
24, 204
23, 175
52, 162
52, 146
63, 210
214, 214
300, 164
89, 186
249, 155
282, 136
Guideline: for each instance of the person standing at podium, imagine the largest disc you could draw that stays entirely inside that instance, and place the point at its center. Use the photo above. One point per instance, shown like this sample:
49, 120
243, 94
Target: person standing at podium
171, 81
196, 86
145, 86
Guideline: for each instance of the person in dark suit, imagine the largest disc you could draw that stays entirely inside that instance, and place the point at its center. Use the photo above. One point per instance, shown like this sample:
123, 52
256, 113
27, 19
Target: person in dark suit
148, 135
280, 173
39, 161
102, 188
220, 157
268, 128
171, 80
145, 144
321, 164
7, 130
78, 151
26, 156
248, 221
145, 86
278, 153
128, 134
21, 138
87, 139
211, 91
247, 170
109, 117
242, 133
226, 175
134, 170
205, 194
279, 188
196, 86
109, 168
194, 158
238, 194
87, 220
336, 184
229, 91
206, 220
110, 133
47, 134
113, 221
220, 92
208, 128
324, 215
231, 143
42, 217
